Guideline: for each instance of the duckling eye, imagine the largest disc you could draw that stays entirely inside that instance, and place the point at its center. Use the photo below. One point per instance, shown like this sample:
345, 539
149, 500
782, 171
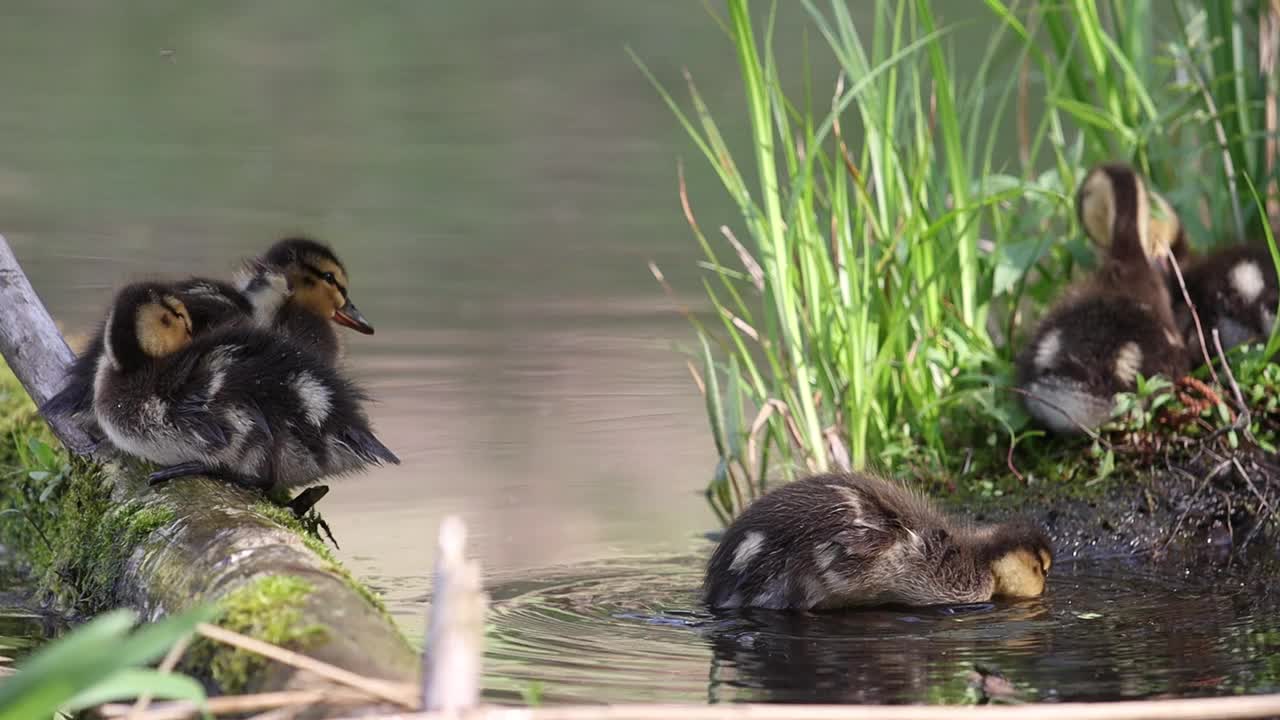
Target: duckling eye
329, 278
166, 321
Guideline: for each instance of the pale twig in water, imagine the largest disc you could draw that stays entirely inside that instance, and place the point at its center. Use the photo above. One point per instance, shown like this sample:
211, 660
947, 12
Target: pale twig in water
239, 704
1240, 707
166, 666
398, 693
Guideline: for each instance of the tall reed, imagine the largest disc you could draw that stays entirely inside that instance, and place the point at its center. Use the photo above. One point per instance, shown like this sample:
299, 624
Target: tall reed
870, 311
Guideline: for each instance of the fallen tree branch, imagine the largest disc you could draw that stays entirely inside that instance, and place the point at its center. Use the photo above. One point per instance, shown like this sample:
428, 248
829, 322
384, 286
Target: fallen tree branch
34, 348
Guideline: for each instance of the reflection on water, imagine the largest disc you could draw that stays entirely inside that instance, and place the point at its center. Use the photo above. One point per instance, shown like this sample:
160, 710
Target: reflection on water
20, 632
20, 629
635, 631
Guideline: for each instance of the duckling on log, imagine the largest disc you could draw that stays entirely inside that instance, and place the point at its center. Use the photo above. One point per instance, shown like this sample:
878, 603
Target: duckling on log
239, 403
320, 297
209, 303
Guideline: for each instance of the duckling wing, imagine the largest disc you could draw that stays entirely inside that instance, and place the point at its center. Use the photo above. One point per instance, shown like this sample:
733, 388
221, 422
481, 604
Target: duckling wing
190, 386
366, 445
212, 303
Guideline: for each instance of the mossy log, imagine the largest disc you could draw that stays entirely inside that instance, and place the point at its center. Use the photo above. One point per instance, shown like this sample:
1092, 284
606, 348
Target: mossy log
97, 536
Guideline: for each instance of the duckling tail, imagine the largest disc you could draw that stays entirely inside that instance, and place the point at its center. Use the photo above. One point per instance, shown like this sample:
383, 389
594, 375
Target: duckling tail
369, 447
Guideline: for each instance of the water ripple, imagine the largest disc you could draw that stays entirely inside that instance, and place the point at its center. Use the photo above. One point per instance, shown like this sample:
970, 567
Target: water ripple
634, 630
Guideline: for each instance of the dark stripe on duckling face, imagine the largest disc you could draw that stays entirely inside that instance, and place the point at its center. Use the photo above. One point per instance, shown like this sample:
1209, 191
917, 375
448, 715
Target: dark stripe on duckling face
327, 276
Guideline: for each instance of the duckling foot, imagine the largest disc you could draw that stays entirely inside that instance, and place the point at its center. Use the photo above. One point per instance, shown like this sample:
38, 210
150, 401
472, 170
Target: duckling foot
303, 508
322, 525
306, 500
172, 472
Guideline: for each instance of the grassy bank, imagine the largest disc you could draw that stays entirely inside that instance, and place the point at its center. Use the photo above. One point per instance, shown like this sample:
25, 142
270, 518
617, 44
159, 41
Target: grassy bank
894, 247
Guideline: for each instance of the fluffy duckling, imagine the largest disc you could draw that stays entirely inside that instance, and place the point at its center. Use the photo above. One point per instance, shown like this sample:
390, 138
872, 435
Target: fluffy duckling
1234, 290
319, 298
210, 304
238, 403
844, 540
1165, 236
1115, 326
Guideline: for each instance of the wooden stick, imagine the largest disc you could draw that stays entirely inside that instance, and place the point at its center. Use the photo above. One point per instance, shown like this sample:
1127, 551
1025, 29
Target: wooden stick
403, 695
1219, 708
166, 666
33, 347
238, 704
455, 626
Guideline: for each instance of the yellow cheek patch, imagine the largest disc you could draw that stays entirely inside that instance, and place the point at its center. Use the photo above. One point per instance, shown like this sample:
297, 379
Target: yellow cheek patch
163, 328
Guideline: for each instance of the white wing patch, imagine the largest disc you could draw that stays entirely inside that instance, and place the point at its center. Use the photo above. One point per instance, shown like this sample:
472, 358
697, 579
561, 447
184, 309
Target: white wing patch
316, 399
1048, 349
1246, 279
747, 549
1128, 363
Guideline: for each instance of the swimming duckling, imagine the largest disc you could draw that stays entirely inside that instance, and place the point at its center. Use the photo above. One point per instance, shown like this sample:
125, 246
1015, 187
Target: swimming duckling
319, 298
210, 304
1110, 329
843, 540
1234, 290
238, 403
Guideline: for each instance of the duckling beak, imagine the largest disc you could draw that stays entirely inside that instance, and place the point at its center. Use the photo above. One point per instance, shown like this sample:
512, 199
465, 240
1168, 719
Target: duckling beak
349, 316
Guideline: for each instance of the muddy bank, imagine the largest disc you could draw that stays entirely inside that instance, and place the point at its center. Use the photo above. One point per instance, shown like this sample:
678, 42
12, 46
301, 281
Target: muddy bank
1208, 512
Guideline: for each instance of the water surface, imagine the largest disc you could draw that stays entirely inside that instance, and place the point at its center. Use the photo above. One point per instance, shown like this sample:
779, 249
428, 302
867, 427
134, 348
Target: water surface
633, 630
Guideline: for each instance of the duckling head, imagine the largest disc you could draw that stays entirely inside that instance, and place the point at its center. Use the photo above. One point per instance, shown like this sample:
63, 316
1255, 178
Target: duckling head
1165, 229
1115, 208
147, 322
318, 281
1020, 557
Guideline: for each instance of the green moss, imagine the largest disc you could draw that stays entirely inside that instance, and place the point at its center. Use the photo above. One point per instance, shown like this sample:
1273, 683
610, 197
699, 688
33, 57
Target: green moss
268, 609
65, 525
285, 518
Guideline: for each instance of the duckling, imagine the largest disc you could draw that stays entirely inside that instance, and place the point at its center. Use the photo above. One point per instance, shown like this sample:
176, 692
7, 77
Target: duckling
319, 296
1117, 324
1234, 290
1165, 237
844, 540
238, 403
210, 304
